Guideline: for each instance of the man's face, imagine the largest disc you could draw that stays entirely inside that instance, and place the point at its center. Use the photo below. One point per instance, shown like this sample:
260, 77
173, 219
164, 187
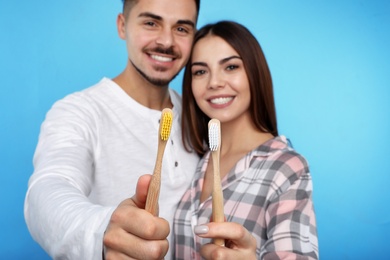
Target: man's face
159, 35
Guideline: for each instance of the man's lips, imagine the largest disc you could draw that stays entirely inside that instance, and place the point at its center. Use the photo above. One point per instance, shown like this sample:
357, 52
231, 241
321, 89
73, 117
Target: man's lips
161, 58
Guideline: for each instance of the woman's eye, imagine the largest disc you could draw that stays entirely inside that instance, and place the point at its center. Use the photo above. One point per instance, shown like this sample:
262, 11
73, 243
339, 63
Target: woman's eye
198, 72
231, 67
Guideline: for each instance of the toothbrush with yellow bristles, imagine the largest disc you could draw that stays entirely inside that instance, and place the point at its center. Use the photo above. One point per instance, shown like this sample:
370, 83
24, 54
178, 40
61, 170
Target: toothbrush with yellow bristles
217, 195
154, 187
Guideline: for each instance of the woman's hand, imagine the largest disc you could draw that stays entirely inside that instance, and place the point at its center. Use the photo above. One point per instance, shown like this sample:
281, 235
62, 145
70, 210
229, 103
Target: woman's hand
239, 243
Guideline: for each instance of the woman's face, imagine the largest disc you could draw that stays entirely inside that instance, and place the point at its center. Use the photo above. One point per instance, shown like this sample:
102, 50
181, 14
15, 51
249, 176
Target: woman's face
219, 81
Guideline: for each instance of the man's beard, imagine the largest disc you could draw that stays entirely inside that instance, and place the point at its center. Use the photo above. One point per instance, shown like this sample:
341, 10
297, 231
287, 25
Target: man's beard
158, 81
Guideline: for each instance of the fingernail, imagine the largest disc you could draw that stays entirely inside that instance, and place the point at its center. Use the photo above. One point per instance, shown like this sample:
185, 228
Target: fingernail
200, 230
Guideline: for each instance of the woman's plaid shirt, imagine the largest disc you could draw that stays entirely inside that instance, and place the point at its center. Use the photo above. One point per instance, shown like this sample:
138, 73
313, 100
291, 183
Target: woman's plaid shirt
269, 192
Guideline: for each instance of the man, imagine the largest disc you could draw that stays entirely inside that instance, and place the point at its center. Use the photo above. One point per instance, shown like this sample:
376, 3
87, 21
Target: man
95, 144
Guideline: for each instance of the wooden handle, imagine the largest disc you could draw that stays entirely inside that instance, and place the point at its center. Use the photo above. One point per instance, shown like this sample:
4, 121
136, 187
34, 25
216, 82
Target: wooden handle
217, 196
154, 186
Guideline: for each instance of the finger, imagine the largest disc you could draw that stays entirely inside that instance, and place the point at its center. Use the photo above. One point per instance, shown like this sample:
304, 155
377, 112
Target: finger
211, 251
138, 248
238, 235
148, 252
114, 255
142, 190
136, 233
139, 222
240, 243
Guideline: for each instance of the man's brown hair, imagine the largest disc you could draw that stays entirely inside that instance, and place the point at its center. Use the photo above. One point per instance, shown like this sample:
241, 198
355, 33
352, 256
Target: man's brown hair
128, 4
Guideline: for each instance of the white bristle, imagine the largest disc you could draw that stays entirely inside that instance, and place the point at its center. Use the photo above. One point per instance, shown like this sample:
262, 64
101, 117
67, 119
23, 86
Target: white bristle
214, 136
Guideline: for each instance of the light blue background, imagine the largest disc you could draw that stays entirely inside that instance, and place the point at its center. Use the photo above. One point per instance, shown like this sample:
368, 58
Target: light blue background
330, 62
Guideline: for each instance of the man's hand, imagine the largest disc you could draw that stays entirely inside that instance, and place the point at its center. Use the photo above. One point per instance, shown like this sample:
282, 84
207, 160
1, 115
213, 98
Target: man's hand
134, 233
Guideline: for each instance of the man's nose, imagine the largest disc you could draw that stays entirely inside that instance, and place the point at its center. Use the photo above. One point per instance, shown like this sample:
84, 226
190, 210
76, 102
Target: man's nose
165, 38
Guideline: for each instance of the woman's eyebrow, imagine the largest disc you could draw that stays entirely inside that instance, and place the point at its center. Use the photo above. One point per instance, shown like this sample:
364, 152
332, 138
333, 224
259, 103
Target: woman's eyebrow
229, 58
199, 63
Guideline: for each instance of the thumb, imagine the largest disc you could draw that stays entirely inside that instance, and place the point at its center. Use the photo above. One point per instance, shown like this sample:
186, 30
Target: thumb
141, 191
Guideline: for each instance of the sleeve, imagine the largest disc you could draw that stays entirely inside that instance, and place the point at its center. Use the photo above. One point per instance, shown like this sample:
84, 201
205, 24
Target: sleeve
57, 210
290, 217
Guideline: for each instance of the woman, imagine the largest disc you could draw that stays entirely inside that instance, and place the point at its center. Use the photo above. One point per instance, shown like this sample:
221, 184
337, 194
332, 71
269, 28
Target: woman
266, 185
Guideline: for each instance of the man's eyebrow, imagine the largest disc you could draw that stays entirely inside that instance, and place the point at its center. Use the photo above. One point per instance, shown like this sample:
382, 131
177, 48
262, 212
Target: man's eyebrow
150, 15
187, 22
159, 18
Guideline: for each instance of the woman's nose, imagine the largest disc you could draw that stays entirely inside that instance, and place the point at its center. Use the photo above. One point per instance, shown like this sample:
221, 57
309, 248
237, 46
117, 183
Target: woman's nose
216, 81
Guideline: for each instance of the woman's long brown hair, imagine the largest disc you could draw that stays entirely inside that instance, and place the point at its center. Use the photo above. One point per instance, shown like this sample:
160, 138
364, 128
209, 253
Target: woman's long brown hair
262, 105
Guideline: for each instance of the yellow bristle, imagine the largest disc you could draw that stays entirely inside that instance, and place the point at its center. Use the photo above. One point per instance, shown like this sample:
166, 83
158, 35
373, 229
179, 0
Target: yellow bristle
166, 125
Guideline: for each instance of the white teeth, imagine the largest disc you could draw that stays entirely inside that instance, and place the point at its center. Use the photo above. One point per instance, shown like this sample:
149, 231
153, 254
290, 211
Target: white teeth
160, 58
221, 101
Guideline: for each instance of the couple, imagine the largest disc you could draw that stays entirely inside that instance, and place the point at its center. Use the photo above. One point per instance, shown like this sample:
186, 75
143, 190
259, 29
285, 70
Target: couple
95, 145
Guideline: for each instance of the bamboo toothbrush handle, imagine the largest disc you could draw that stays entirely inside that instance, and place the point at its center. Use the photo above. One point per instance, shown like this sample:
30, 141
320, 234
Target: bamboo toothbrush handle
154, 186
217, 196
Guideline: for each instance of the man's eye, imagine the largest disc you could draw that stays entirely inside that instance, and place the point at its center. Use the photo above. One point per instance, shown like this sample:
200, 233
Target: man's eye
182, 30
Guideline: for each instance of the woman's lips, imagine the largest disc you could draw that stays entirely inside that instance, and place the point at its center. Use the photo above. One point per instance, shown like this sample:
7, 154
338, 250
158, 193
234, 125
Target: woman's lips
220, 100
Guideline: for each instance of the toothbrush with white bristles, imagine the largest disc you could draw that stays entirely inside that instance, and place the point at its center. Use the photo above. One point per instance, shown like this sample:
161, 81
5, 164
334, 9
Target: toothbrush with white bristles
217, 196
154, 187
